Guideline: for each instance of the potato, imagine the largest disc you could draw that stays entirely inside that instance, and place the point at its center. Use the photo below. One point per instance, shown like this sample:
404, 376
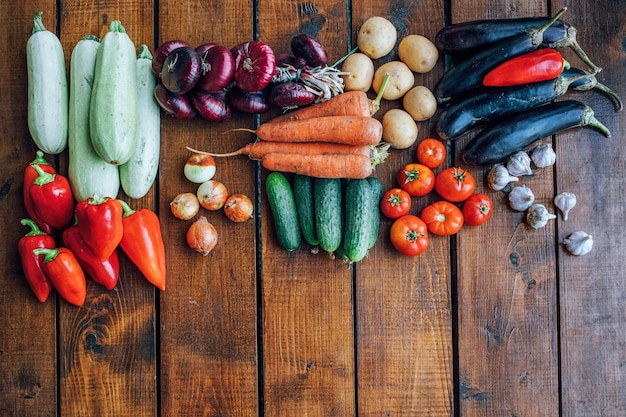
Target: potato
418, 53
377, 37
420, 103
399, 129
401, 79
361, 72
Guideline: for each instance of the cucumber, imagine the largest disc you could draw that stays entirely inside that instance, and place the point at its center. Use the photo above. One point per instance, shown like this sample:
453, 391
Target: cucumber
358, 214
113, 110
47, 89
88, 174
328, 212
377, 193
138, 174
283, 207
303, 194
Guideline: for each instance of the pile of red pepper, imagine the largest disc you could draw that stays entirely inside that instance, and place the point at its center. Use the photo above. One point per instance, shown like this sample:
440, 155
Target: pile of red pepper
91, 230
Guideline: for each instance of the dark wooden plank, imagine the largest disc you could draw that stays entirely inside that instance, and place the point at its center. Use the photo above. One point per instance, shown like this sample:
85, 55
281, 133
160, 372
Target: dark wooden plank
308, 344
592, 289
208, 313
507, 316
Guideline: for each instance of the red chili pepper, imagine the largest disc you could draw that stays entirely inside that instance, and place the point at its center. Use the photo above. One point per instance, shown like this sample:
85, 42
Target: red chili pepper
105, 273
62, 268
100, 224
540, 65
143, 244
33, 264
52, 198
29, 177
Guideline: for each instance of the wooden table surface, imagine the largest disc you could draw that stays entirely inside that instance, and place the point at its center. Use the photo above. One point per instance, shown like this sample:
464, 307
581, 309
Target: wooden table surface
495, 321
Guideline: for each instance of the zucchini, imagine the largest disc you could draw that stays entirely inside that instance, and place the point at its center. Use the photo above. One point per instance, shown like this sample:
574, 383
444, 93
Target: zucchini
328, 212
377, 193
138, 174
505, 137
47, 89
113, 110
303, 194
283, 207
358, 215
88, 174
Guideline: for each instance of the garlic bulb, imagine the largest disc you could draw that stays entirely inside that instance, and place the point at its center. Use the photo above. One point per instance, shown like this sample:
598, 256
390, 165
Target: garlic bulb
537, 216
499, 177
578, 243
519, 164
543, 155
565, 202
521, 197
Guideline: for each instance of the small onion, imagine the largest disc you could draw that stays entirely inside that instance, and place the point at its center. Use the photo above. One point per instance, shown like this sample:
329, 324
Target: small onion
199, 168
212, 195
202, 236
185, 206
238, 208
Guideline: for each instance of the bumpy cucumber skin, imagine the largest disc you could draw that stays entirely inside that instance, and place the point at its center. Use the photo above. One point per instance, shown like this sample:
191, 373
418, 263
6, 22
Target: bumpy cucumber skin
283, 206
303, 194
358, 219
377, 192
327, 194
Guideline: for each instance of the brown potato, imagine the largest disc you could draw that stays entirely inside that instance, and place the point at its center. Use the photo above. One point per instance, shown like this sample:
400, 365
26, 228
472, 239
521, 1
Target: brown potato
418, 53
377, 37
360, 69
420, 103
399, 129
401, 79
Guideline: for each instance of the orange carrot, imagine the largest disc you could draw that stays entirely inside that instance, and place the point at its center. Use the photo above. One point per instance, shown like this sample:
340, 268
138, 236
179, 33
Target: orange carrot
351, 130
258, 149
320, 166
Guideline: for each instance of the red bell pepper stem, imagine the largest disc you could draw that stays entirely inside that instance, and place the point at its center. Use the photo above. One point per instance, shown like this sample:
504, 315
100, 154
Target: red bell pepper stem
105, 273
100, 224
143, 244
539, 65
63, 269
33, 264
52, 198
30, 174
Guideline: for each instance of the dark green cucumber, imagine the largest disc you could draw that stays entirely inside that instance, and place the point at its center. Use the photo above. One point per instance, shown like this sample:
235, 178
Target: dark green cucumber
377, 193
283, 206
327, 194
358, 214
507, 136
303, 194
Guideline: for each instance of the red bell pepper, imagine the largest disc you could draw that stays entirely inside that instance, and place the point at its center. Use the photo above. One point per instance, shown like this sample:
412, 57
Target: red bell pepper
540, 65
52, 198
105, 273
62, 268
100, 224
33, 264
29, 176
143, 244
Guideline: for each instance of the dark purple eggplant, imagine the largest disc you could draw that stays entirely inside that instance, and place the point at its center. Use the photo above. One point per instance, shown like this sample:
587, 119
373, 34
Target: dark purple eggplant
290, 95
506, 136
181, 70
211, 106
585, 81
309, 49
162, 53
176, 105
249, 102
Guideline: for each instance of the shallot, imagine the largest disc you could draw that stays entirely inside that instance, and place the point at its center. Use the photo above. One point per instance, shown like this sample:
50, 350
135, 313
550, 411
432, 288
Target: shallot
202, 236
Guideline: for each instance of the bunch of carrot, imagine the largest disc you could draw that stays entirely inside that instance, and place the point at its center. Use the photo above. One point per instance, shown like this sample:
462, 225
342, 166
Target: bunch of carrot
337, 138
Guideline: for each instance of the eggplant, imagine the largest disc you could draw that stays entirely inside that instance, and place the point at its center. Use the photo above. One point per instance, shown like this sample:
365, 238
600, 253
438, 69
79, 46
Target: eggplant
509, 135
585, 81
489, 104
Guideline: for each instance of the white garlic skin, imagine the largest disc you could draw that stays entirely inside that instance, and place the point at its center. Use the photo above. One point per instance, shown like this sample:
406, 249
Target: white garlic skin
499, 177
537, 216
519, 164
543, 155
578, 243
521, 198
565, 201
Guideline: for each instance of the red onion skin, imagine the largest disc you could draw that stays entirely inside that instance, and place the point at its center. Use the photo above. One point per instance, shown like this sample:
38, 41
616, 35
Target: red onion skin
309, 49
162, 53
249, 102
181, 70
176, 105
217, 66
255, 64
211, 106
290, 94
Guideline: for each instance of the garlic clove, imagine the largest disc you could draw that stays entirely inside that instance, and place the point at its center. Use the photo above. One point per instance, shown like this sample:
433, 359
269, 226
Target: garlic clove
537, 216
543, 155
519, 164
565, 201
499, 177
578, 243
521, 198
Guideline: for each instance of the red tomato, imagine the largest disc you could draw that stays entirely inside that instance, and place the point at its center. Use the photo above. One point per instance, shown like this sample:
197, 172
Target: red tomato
443, 218
477, 209
455, 184
416, 179
395, 203
431, 152
409, 235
